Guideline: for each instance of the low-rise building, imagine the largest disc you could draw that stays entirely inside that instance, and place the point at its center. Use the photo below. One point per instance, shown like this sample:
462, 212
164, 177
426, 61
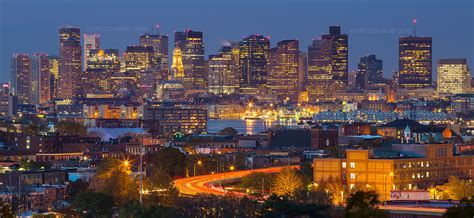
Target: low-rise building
404, 167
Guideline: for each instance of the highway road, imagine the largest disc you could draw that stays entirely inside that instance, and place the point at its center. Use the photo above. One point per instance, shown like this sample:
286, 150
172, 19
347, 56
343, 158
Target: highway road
208, 184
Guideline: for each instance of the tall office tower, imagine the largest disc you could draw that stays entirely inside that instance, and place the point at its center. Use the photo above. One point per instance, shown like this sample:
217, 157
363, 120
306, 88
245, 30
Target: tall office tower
160, 48
302, 71
192, 47
254, 54
223, 73
320, 79
41, 79
283, 70
361, 80
90, 42
177, 65
138, 58
370, 71
70, 62
54, 76
414, 62
373, 68
454, 76
340, 57
21, 77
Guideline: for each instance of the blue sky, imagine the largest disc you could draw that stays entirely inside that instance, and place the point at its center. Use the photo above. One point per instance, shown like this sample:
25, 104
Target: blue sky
29, 26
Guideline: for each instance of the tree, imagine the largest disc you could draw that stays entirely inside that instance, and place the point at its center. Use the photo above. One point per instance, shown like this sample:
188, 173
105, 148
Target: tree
93, 204
77, 187
6, 209
254, 181
133, 209
454, 189
34, 165
217, 206
229, 131
287, 182
171, 161
113, 178
464, 209
71, 128
361, 204
282, 206
336, 190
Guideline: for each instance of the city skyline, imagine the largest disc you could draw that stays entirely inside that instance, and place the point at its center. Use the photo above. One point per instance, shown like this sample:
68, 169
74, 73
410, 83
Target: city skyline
366, 35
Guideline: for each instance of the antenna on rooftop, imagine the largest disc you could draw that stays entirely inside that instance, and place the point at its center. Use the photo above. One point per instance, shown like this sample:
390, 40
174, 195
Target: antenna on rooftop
414, 27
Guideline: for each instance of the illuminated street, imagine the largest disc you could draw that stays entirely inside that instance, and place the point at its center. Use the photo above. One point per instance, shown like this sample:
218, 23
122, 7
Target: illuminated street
209, 184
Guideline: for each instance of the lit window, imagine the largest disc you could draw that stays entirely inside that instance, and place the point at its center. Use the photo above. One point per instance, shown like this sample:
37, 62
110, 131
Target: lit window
352, 175
351, 186
343, 164
353, 165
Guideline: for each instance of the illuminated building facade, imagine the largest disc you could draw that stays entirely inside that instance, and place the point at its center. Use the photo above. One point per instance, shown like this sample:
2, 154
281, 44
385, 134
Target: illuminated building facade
254, 54
339, 57
90, 42
302, 71
70, 62
160, 48
370, 72
54, 72
113, 111
410, 167
170, 91
415, 62
223, 73
320, 84
283, 73
454, 76
21, 77
176, 119
105, 60
41, 79
139, 58
102, 64
192, 47
177, 65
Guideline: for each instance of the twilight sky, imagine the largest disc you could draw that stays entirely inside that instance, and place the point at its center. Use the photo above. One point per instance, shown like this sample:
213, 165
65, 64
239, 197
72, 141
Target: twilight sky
30, 26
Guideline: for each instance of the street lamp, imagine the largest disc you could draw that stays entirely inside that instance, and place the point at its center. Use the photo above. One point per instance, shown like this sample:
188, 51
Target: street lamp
231, 168
385, 188
199, 163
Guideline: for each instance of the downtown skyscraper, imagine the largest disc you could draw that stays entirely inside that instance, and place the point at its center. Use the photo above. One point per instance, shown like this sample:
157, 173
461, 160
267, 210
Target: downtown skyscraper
370, 71
70, 62
283, 73
191, 45
328, 65
339, 57
90, 42
454, 76
41, 79
320, 84
159, 43
415, 62
223, 72
21, 77
253, 55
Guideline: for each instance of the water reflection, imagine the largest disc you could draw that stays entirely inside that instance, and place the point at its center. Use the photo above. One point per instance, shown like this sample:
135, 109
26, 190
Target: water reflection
249, 126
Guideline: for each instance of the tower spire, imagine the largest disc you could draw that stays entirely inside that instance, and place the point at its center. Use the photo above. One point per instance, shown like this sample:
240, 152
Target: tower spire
414, 27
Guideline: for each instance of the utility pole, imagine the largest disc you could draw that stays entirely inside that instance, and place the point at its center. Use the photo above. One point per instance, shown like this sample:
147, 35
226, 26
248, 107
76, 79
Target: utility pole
263, 182
141, 170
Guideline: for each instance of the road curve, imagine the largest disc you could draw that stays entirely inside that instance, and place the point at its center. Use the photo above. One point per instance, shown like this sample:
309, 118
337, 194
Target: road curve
204, 184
